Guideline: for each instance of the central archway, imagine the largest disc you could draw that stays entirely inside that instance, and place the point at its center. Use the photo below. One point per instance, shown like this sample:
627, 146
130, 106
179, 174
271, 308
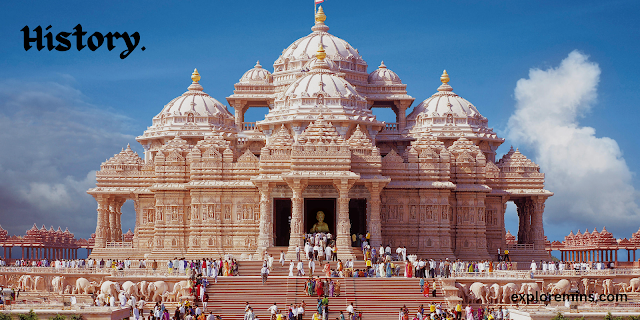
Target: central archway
326, 205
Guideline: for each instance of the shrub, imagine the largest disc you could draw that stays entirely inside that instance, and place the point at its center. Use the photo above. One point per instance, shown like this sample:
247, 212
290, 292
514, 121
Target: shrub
58, 317
5, 316
608, 316
559, 316
77, 317
29, 316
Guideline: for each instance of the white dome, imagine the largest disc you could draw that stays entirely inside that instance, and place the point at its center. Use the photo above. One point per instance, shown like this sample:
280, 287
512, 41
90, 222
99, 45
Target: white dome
193, 114
341, 56
446, 114
195, 102
256, 75
382, 75
320, 92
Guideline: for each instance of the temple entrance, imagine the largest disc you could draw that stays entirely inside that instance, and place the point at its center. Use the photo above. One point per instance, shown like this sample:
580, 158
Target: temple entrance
311, 209
358, 216
282, 221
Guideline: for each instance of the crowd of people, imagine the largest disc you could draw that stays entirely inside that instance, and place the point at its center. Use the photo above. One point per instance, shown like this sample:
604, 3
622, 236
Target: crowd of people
553, 267
436, 312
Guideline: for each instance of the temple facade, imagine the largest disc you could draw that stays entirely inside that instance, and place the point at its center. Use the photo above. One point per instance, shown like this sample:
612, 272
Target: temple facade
211, 183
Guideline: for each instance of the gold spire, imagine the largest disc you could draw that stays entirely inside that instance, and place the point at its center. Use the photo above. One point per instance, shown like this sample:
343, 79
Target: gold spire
320, 16
444, 77
321, 54
195, 76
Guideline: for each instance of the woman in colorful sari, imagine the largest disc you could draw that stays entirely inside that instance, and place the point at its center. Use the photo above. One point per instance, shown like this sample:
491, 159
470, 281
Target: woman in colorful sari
327, 269
408, 269
388, 267
425, 289
226, 268
319, 288
310, 286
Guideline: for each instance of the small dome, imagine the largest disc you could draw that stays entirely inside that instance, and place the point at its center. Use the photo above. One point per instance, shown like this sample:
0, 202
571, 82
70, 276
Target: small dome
195, 102
257, 75
383, 75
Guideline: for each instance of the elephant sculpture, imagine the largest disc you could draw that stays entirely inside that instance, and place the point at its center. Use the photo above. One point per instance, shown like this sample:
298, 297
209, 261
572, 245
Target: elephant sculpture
109, 288
170, 296
38, 283
130, 288
607, 286
143, 289
24, 282
529, 288
634, 285
620, 287
157, 289
561, 287
586, 286
84, 286
508, 290
495, 293
479, 291
463, 291
181, 289
59, 283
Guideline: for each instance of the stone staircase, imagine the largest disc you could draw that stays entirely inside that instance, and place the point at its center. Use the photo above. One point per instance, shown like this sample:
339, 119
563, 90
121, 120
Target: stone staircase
376, 298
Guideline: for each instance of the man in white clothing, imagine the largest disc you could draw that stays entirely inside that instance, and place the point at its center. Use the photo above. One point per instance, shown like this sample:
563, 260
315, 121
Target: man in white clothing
273, 310
350, 310
533, 266
312, 267
300, 269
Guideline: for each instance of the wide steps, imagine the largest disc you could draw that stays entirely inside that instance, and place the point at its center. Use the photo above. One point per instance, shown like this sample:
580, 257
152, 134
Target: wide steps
227, 298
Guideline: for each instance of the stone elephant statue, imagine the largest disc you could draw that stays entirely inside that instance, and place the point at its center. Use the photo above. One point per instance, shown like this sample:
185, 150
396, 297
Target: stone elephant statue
479, 291
495, 293
131, 289
561, 287
634, 285
529, 288
143, 289
463, 291
508, 290
181, 288
607, 286
620, 287
586, 286
24, 282
109, 288
170, 296
38, 283
157, 289
85, 286
59, 283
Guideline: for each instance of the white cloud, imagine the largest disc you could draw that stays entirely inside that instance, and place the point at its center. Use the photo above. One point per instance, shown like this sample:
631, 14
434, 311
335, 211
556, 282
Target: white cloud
52, 142
588, 174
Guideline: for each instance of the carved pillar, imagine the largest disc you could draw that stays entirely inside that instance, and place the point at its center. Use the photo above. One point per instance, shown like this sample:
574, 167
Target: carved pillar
402, 107
374, 223
537, 228
265, 238
118, 218
297, 219
239, 108
102, 227
343, 234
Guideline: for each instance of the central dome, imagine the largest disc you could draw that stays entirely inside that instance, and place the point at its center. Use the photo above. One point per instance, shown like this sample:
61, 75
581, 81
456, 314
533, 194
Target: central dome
341, 56
320, 92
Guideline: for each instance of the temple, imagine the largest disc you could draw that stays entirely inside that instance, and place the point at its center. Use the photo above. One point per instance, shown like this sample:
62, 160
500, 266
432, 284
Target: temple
597, 247
38, 244
209, 182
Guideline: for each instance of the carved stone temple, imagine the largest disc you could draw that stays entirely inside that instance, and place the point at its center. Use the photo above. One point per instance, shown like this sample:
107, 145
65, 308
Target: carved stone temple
211, 184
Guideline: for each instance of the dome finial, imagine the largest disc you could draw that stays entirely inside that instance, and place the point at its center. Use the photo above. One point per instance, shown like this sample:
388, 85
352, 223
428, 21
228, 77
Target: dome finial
195, 76
320, 16
444, 77
321, 54
382, 66
258, 64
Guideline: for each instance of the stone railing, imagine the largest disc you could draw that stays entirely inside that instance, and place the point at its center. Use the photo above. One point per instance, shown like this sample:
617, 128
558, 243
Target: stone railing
119, 245
391, 126
248, 126
575, 273
520, 247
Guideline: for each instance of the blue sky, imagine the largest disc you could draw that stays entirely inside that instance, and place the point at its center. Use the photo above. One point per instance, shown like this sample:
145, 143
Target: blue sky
63, 113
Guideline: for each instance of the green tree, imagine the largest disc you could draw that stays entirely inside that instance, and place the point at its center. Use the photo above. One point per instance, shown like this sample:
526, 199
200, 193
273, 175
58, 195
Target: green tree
559, 316
58, 317
77, 317
608, 316
29, 316
5, 316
